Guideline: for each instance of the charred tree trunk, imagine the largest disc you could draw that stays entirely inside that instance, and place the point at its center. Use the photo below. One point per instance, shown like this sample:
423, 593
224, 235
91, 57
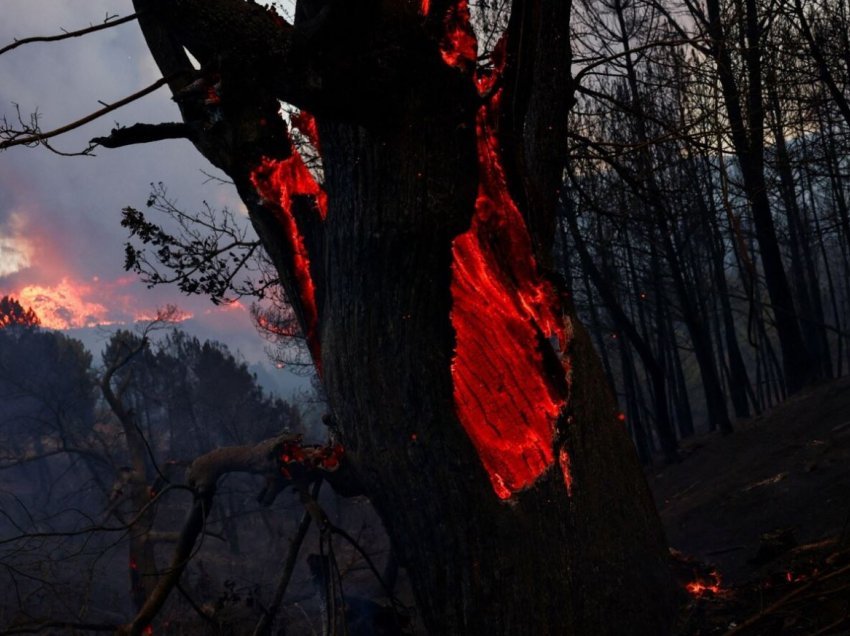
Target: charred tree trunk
747, 131
401, 283
632, 409
654, 368
739, 384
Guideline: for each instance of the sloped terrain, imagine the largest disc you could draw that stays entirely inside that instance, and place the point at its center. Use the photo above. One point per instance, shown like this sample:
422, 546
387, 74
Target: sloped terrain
766, 512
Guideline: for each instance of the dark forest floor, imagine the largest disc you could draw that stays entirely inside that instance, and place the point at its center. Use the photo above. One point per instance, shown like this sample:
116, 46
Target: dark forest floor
761, 519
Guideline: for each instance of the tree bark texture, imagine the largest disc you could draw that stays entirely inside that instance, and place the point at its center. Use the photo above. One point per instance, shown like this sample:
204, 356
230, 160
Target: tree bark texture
580, 549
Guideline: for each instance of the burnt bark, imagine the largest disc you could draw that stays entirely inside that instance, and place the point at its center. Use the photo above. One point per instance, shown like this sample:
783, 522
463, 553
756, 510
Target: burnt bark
398, 141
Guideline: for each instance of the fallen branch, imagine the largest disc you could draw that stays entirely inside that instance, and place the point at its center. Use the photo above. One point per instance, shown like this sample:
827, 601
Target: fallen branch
815, 580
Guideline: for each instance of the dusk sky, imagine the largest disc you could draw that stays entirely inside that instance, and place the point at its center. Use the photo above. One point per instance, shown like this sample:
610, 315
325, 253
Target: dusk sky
61, 243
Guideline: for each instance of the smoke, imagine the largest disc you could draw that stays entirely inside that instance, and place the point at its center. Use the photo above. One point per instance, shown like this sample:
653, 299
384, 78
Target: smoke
61, 243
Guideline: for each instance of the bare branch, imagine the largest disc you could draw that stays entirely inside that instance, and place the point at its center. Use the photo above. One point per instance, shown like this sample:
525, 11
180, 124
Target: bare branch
36, 137
264, 625
143, 133
280, 458
108, 23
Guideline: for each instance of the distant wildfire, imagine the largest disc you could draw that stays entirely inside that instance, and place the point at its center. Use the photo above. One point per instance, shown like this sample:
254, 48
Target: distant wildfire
73, 304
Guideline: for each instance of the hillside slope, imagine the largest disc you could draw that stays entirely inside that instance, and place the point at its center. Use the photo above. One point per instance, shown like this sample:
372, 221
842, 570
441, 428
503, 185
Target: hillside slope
759, 504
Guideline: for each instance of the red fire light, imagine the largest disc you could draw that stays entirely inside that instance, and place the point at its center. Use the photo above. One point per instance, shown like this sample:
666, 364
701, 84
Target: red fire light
278, 182
305, 123
706, 586
295, 455
503, 313
459, 46
564, 460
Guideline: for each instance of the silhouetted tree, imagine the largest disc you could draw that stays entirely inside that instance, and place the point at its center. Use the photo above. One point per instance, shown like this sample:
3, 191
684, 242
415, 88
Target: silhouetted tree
13, 314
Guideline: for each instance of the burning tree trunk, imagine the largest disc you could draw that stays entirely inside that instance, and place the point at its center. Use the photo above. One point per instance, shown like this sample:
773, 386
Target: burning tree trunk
471, 405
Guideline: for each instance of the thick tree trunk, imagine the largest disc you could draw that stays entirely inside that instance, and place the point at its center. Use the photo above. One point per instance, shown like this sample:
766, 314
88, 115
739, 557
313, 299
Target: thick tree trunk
387, 356
375, 287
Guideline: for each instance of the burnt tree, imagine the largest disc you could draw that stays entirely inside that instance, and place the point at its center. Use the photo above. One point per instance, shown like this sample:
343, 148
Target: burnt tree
473, 410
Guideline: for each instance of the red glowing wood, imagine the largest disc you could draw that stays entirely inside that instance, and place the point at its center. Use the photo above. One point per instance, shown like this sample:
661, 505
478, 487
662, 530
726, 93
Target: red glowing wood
503, 311
305, 123
278, 182
295, 457
459, 46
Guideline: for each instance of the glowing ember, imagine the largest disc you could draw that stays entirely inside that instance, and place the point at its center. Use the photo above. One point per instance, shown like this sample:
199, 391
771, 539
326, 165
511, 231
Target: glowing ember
792, 576
459, 47
426, 7
564, 461
706, 586
503, 313
278, 182
295, 457
282, 329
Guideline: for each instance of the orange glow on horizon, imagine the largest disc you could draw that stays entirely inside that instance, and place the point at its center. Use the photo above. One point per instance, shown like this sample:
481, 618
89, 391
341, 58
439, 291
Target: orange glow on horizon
71, 304
67, 305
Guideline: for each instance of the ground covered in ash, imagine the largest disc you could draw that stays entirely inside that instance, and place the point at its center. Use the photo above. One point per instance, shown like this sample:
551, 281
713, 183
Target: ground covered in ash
759, 521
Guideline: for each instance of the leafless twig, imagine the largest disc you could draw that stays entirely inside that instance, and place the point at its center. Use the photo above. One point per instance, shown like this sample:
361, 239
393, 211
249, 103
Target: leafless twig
108, 23
32, 135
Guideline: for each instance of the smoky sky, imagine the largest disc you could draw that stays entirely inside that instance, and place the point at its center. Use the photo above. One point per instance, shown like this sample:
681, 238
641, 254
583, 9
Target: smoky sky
60, 236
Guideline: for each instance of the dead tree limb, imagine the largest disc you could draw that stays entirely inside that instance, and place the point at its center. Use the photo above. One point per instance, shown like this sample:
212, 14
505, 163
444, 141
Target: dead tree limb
264, 625
277, 458
143, 134
108, 23
33, 136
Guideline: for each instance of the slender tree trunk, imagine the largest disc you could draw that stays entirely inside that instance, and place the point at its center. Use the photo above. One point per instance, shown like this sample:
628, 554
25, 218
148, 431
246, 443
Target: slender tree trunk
633, 418
655, 371
802, 265
748, 140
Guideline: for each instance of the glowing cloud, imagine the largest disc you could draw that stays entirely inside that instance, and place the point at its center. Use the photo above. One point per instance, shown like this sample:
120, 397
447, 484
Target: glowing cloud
64, 306
71, 304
